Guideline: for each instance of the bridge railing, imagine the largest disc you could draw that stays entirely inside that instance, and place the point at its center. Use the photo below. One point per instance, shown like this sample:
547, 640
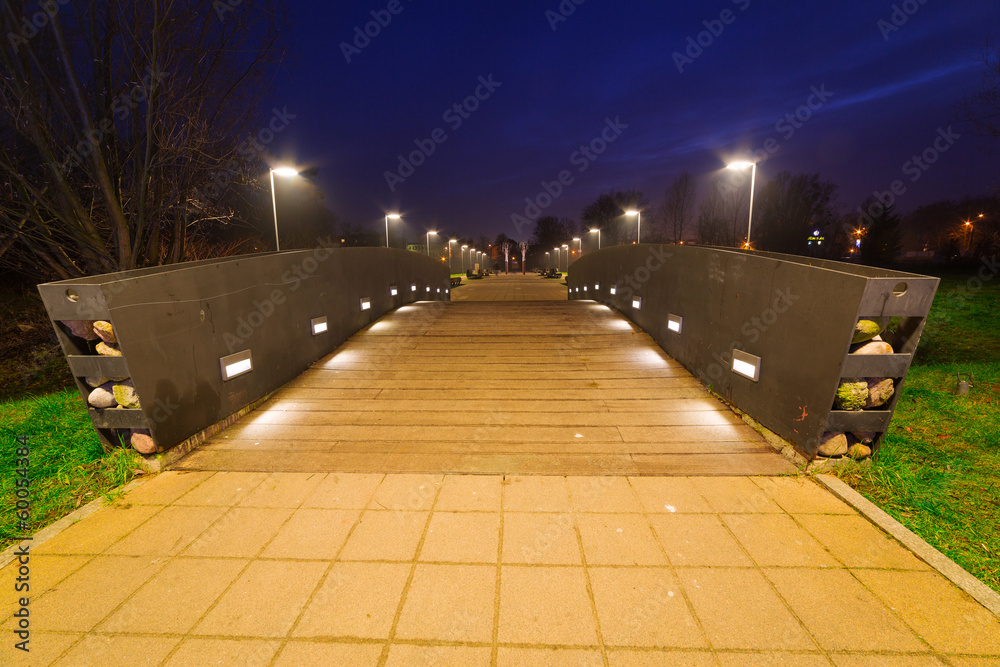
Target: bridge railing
771, 334
195, 345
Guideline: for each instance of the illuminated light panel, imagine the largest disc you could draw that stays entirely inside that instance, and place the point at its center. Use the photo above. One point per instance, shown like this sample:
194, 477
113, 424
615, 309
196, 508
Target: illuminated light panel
746, 365
675, 323
366, 303
413, 287
614, 289
584, 288
597, 286
235, 365
439, 290
318, 325
637, 303
393, 291
428, 288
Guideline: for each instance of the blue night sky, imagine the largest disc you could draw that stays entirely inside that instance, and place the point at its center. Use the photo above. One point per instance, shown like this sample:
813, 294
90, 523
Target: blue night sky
881, 94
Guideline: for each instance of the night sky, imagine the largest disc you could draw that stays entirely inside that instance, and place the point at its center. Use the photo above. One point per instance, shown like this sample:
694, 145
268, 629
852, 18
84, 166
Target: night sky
883, 79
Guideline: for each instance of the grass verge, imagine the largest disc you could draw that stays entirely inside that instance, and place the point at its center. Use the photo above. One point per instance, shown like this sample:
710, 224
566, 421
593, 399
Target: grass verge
67, 464
938, 470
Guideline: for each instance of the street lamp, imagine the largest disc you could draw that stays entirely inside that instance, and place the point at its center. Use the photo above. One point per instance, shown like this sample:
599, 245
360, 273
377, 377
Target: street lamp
753, 180
463, 257
451, 269
287, 172
566, 247
638, 224
557, 257
580, 241
429, 242
548, 260
394, 216
598, 232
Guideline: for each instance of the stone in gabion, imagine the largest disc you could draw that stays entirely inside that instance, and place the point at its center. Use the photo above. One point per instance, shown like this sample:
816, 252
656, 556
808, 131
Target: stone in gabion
880, 390
873, 347
95, 381
142, 442
857, 451
833, 444
125, 395
866, 330
81, 328
107, 350
851, 396
102, 397
104, 329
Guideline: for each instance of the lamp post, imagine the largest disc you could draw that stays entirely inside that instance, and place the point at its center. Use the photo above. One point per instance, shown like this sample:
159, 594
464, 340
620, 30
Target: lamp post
429, 242
287, 172
557, 257
394, 216
753, 180
598, 232
463, 257
451, 268
580, 242
548, 260
566, 248
638, 224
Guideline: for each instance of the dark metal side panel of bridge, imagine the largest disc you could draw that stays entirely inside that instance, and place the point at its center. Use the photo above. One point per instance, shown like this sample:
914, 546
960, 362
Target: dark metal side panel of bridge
547, 387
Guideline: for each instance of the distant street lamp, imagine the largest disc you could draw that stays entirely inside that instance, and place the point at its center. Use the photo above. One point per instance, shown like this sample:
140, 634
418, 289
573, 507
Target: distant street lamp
548, 260
566, 248
451, 269
429, 242
394, 216
463, 257
638, 224
753, 180
598, 232
557, 257
579, 241
286, 172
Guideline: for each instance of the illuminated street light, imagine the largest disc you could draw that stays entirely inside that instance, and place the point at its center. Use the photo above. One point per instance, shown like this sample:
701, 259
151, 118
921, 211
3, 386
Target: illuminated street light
451, 269
580, 241
286, 172
429, 242
638, 224
566, 248
463, 257
753, 180
598, 232
394, 216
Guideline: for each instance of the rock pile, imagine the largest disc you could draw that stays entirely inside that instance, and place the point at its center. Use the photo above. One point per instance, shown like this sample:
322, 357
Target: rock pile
857, 394
115, 393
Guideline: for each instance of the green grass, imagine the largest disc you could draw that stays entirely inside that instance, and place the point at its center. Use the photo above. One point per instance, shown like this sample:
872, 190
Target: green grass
68, 466
938, 469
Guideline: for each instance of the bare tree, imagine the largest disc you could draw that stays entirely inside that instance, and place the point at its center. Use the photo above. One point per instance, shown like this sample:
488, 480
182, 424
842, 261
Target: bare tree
982, 107
121, 124
506, 247
677, 207
723, 211
523, 247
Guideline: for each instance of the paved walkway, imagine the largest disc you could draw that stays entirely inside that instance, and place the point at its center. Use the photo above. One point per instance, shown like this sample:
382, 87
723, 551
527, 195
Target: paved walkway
527, 386
371, 569
353, 569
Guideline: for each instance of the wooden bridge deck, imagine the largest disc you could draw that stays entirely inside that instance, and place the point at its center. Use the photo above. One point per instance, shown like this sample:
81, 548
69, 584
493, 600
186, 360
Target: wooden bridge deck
500, 380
